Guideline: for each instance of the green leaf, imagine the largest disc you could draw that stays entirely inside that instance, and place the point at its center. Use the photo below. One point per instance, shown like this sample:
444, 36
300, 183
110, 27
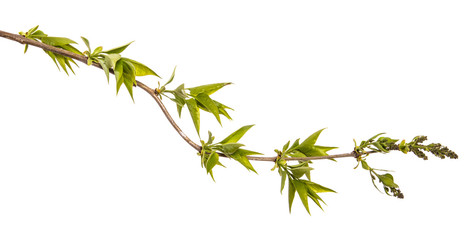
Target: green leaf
241, 156
364, 165
387, 180
311, 140
129, 77
141, 69
207, 89
317, 187
301, 189
208, 103
312, 195
230, 148
57, 41
194, 112
104, 67
97, 51
171, 78
111, 59
118, 72
291, 194
61, 61
118, 49
283, 175
212, 161
286, 146
86, 43
237, 135
300, 171
315, 151
70, 48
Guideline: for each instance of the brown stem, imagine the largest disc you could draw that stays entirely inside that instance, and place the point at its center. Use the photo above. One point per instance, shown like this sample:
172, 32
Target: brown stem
23, 40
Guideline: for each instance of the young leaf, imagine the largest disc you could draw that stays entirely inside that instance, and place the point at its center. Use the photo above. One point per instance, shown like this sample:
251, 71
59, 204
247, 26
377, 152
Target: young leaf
194, 112
141, 69
387, 180
118, 72
283, 175
300, 171
171, 78
207, 89
57, 41
208, 103
237, 135
291, 193
311, 140
212, 161
301, 189
104, 67
111, 59
86, 43
118, 49
317, 187
129, 77
241, 156
230, 148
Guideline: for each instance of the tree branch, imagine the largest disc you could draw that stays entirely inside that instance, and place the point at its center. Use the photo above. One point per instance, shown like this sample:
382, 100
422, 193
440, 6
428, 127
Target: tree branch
23, 40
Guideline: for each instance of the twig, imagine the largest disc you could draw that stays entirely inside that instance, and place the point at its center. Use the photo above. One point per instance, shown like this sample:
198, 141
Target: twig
23, 40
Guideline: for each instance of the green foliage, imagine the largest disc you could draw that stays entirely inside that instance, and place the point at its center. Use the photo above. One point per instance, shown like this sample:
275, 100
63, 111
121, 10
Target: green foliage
196, 98
229, 147
297, 176
59, 42
305, 188
124, 69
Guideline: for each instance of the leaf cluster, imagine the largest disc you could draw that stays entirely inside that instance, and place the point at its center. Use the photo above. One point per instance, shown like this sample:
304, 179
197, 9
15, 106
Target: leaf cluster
124, 69
228, 147
305, 188
59, 42
196, 99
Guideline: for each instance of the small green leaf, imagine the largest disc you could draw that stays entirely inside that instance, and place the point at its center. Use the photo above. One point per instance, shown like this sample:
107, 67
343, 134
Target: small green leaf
118, 72
387, 180
118, 49
70, 48
86, 43
285, 147
317, 187
311, 140
241, 156
291, 193
300, 171
97, 51
104, 67
172, 77
141, 69
111, 59
237, 135
301, 189
57, 41
230, 148
209, 104
129, 77
207, 89
194, 112
283, 175
364, 165
212, 161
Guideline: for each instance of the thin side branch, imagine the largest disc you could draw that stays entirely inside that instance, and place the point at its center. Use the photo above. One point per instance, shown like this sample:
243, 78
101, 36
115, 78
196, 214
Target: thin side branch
23, 40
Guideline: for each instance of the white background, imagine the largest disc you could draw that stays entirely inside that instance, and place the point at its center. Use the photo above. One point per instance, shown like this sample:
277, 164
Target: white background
77, 162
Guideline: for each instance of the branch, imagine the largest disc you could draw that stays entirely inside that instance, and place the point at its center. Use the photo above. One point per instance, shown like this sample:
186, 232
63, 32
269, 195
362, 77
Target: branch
154, 94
